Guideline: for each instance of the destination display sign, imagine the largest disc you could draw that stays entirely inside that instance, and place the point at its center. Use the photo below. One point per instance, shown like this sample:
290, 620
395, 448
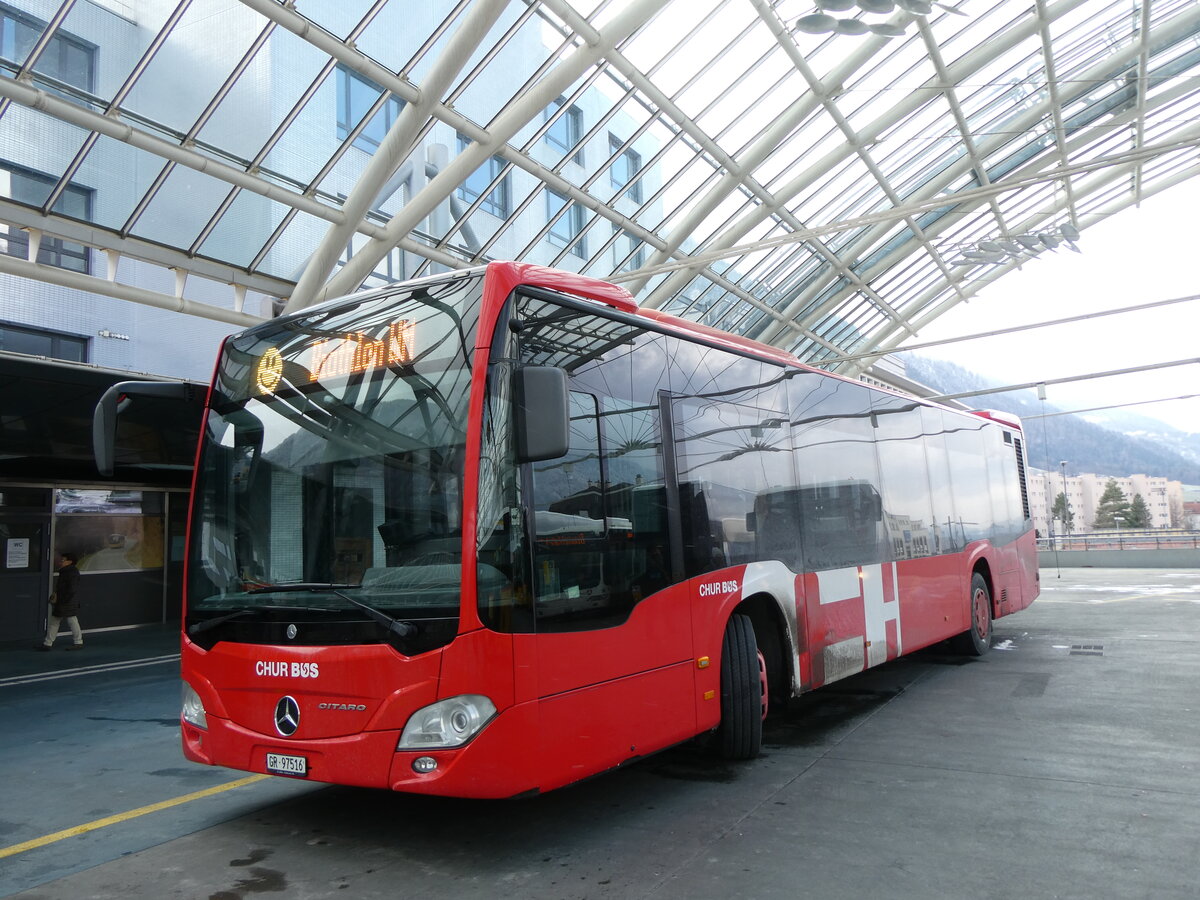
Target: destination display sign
326, 359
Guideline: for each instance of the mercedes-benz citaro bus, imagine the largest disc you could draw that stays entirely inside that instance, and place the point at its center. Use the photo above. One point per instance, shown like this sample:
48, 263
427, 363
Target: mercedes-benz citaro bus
491, 532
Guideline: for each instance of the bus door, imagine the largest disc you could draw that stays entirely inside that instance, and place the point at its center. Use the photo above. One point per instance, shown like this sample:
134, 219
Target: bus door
608, 656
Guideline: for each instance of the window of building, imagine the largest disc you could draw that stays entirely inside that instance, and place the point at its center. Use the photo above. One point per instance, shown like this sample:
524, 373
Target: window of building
630, 252
66, 58
497, 200
388, 270
37, 342
567, 229
355, 97
567, 130
624, 169
33, 189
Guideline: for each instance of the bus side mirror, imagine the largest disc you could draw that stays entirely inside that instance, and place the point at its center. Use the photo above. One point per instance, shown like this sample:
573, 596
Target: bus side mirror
543, 418
117, 398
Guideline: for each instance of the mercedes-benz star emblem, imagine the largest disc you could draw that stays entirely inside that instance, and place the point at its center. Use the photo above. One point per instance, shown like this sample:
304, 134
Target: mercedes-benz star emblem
287, 716
291, 632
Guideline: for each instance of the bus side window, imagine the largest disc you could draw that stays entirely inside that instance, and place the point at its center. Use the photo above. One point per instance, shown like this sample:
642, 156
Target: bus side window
571, 525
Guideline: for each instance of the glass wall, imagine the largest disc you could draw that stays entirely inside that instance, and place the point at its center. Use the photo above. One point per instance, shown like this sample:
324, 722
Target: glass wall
110, 530
119, 537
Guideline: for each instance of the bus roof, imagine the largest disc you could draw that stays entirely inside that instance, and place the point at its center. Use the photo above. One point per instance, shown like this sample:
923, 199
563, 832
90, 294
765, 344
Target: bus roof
1000, 416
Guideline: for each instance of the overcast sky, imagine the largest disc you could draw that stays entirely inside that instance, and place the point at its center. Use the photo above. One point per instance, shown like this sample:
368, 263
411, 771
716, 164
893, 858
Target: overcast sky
1138, 256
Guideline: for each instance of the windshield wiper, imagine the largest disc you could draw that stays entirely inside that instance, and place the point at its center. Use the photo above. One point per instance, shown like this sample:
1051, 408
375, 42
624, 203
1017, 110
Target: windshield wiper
206, 624
403, 629
289, 586
393, 625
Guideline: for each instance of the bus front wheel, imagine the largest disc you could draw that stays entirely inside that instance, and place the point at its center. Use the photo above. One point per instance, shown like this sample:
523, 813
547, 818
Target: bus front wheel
739, 736
977, 639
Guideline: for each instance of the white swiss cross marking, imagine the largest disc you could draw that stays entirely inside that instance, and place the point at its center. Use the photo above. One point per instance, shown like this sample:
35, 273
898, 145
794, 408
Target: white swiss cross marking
877, 588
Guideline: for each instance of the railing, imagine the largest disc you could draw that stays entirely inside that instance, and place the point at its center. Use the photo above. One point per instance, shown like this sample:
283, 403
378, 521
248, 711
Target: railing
1126, 539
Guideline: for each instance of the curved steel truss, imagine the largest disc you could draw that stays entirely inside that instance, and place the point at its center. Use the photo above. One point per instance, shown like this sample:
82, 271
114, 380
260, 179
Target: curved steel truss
828, 193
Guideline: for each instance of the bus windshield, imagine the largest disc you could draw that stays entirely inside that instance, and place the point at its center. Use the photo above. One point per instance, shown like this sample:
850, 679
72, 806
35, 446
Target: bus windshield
329, 489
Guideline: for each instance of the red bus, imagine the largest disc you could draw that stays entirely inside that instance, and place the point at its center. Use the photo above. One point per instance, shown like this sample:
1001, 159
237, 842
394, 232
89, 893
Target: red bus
489, 533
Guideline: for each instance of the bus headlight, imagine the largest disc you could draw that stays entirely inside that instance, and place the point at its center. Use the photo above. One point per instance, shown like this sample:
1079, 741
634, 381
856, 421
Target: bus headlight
193, 707
447, 723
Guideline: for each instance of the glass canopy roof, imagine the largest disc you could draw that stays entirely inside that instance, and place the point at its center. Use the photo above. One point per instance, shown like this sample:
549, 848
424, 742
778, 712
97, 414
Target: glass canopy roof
758, 165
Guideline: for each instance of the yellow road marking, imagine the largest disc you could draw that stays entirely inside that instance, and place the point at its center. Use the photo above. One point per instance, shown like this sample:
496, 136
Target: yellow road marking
126, 816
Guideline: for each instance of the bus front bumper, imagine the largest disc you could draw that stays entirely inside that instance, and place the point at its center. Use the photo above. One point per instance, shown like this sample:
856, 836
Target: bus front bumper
500, 761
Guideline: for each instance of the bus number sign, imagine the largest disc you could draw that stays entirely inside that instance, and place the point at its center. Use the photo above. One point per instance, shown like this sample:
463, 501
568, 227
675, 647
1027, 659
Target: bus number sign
355, 353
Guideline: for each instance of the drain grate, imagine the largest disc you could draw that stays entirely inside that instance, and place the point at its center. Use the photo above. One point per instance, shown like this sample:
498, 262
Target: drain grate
1087, 649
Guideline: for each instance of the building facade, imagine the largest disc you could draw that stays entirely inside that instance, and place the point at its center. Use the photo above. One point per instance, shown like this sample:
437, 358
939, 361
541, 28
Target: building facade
1163, 498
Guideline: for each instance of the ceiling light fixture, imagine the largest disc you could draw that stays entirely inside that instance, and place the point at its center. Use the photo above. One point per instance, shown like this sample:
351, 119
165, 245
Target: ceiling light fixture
1018, 248
820, 22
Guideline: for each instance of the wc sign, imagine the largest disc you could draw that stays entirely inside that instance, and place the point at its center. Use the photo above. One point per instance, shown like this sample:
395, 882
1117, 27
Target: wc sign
17, 553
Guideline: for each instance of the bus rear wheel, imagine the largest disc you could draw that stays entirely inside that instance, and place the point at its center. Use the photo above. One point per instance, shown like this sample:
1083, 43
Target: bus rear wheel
739, 736
977, 639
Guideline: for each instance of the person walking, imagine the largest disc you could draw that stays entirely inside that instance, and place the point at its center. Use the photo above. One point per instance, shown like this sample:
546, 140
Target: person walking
65, 604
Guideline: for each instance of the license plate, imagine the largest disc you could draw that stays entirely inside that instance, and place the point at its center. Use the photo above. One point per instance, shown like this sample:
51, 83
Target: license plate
278, 764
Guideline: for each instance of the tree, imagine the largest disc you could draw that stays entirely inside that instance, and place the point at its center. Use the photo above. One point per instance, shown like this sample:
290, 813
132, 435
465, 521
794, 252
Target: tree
1062, 511
1112, 504
1139, 513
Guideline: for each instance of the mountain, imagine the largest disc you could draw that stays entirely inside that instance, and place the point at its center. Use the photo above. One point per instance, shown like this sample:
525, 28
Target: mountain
1126, 444
1186, 444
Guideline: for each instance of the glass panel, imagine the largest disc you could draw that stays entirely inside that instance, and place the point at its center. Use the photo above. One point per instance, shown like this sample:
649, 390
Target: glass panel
599, 512
567, 227
566, 130
360, 436
19, 498
624, 170
904, 472
182, 207
244, 228
496, 201
841, 504
969, 476
356, 95
485, 92
732, 454
113, 530
173, 94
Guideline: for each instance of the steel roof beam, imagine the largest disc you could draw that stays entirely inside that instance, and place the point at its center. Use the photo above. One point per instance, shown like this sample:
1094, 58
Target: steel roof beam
114, 105
950, 92
966, 200
303, 28
11, 265
1142, 87
857, 145
766, 143
1060, 132
505, 125
45, 102
966, 65
395, 148
889, 343
963, 198
109, 241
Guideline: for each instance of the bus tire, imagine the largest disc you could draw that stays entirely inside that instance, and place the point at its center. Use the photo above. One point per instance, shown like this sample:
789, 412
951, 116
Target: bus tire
739, 736
977, 639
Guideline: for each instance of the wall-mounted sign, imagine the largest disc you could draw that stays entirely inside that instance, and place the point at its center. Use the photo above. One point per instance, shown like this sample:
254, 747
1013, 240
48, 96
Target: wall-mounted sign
17, 555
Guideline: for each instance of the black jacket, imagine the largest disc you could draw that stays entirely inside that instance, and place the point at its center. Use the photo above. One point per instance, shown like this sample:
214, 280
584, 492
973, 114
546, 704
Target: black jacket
68, 583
